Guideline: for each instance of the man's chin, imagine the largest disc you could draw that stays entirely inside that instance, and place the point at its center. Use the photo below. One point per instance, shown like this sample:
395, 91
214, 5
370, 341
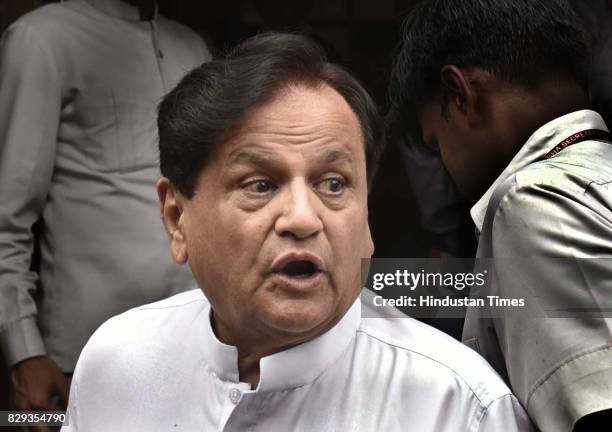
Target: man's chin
301, 318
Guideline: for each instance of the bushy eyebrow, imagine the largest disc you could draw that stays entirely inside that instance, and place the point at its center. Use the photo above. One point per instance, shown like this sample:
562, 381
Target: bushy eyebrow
263, 158
260, 158
333, 155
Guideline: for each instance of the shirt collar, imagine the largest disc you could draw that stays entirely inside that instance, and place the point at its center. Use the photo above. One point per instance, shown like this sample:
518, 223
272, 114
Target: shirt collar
537, 146
118, 9
294, 367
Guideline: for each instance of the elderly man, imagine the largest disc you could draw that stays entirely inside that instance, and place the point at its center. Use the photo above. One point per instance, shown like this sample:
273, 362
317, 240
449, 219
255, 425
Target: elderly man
501, 93
267, 155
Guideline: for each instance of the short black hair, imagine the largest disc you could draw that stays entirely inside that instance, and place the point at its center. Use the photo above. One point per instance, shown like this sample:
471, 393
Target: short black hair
213, 100
520, 41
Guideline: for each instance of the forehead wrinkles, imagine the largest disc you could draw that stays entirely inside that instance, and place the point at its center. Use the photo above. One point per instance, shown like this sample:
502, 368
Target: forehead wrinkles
303, 118
297, 135
303, 125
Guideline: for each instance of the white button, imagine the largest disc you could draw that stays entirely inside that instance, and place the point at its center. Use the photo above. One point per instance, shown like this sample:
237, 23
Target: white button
234, 395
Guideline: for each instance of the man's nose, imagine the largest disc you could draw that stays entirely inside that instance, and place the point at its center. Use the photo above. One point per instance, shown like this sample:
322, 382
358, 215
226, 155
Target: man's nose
300, 216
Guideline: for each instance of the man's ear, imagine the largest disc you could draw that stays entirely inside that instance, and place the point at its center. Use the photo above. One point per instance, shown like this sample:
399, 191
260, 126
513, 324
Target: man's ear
171, 205
459, 91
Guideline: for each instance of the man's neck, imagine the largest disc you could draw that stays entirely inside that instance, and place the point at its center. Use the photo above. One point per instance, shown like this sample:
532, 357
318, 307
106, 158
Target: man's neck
525, 110
248, 368
251, 348
548, 101
520, 112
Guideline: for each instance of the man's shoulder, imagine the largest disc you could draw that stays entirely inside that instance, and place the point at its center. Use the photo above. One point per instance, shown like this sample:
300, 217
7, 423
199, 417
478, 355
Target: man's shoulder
134, 355
53, 29
440, 356
575, 168
187, 301
574, 184
176, 27
180, 300
48, 20
185, 36
163, 321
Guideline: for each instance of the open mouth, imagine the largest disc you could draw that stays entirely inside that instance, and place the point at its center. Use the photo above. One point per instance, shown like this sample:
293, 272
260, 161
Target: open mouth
299, 269
299, 272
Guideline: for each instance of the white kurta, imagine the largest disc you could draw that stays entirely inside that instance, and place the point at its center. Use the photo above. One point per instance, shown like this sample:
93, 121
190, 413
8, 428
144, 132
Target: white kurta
79, 85
160, 367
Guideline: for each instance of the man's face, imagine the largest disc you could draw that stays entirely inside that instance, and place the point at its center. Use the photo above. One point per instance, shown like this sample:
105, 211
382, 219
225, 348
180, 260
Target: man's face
460, 147
278, 224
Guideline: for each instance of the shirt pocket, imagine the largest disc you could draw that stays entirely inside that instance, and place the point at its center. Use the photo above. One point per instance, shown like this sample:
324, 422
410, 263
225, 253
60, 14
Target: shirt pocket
119, 129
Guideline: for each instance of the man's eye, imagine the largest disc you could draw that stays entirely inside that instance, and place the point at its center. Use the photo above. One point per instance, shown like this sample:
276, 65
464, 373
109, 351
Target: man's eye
331, 186
259, 186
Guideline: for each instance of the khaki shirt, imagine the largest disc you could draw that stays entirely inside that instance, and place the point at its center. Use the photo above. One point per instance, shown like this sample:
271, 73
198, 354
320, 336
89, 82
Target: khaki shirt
538, 210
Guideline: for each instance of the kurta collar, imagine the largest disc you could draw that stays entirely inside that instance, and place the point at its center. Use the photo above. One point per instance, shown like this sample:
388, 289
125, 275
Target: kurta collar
287, 369
118, 9
537, 146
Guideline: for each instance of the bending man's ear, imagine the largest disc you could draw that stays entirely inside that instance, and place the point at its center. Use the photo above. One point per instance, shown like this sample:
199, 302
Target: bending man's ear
460, 90
171, 204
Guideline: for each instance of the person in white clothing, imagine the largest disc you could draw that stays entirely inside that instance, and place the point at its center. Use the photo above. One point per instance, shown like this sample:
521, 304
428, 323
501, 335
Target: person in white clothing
79, 84
267, 156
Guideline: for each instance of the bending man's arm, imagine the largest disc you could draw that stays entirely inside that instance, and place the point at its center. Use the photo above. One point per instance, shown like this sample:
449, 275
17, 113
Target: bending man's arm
559, 367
